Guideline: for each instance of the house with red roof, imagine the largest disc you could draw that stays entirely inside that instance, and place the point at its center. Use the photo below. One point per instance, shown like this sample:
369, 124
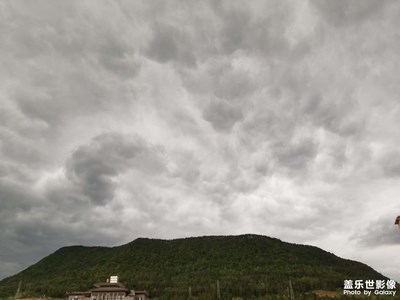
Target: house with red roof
109, 290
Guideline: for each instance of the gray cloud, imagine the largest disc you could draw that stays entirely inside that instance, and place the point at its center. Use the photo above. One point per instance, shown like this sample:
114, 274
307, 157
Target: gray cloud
390, 163
297, 155
93, 167
379, 232
222, 114
171, 44
17, 203
342, 12
258, 27
204, 118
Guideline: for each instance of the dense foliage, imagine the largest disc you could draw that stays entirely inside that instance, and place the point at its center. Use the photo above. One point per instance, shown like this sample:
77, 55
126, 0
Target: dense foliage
242, 266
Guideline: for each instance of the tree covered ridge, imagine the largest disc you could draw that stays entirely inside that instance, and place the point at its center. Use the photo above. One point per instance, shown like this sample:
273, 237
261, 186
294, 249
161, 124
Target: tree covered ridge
245, 265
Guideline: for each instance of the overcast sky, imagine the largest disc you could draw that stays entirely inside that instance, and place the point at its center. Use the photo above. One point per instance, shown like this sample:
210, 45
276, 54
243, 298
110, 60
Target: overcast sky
169, 119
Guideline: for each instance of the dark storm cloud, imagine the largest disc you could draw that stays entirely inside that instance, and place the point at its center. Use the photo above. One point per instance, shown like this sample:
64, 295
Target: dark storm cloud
336, 116
217, 29
17, 205
344, 12
222, 114
296, 155
258, 27
93, 167
171, 44
121, 64
58, 215
200, 118
13, 199
54, 102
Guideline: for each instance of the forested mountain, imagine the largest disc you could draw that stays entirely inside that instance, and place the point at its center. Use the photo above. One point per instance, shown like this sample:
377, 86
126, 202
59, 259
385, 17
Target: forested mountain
244, 266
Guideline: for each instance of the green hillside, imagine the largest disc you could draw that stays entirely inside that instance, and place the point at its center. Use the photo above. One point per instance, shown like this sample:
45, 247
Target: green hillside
245, 266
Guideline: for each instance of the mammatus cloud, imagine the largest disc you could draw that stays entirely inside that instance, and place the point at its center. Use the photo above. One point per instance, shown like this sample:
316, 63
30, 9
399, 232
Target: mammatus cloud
197, 119
94, 168
347, 13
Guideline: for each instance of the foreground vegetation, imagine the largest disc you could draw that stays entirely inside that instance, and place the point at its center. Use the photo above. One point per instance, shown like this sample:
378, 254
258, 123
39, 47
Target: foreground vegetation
245, 267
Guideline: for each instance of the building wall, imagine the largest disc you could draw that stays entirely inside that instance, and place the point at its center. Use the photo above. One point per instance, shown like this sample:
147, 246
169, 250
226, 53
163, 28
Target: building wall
136, 297
78, 297
108, 296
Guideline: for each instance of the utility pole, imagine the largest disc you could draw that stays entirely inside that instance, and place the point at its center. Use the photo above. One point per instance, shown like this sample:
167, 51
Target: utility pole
18, 289
27, 287
291, 290
218, 291
190, 292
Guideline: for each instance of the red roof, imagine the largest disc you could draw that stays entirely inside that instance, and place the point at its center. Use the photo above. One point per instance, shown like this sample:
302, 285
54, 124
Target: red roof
110, 289
78, 293
108, 284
